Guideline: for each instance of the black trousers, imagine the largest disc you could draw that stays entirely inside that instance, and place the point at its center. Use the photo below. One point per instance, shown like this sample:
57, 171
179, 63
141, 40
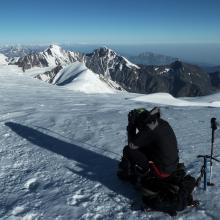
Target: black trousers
136, 157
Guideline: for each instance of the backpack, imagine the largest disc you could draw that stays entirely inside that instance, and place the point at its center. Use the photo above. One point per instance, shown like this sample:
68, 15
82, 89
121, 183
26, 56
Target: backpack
170, 194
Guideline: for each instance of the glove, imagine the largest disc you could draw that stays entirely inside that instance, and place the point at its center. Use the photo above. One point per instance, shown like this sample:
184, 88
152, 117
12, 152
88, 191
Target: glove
132, 146
132, 116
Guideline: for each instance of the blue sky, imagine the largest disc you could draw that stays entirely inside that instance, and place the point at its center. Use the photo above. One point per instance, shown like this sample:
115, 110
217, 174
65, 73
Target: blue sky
188, 29
109, 21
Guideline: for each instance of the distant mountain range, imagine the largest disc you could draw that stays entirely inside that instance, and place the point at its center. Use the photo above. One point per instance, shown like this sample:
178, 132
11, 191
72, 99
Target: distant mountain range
116, 71
19, 51
149, 58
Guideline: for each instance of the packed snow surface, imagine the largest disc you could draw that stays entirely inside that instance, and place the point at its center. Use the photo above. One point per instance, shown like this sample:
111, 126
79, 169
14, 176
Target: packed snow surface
60, 149
167, 99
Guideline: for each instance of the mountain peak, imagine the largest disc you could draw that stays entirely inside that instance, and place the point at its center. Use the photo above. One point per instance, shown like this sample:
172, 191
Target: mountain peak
103, 52
54, 55
177, 64
55, 50
55, 46
104, 49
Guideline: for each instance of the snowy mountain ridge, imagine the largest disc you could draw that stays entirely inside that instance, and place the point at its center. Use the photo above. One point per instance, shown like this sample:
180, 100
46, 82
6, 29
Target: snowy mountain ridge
77, 77
178, 78
57, 58
100, 62
54, 55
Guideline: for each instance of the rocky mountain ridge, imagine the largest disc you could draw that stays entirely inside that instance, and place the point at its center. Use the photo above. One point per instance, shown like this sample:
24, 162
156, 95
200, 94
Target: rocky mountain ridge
177, 78
52, 56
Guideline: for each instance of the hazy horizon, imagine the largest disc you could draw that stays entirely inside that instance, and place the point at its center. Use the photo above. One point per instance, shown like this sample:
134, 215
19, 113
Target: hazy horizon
207, 54
203, 54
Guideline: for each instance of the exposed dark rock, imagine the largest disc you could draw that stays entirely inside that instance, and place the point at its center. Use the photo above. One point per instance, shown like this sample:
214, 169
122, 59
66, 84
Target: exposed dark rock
49, 75
106, 62
215, 79
178, 78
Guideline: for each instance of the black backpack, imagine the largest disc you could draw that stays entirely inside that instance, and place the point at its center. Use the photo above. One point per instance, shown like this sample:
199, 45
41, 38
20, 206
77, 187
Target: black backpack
170, 194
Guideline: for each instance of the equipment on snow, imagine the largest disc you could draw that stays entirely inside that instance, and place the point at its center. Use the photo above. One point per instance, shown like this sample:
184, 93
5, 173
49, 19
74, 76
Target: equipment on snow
170, 194
214, 127
203, 171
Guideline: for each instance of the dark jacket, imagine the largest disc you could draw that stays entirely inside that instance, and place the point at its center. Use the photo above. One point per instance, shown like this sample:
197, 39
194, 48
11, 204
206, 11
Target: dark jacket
159, 145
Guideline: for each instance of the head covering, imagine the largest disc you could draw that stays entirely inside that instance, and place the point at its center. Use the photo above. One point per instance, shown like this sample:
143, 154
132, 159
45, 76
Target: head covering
155, 112
148, 118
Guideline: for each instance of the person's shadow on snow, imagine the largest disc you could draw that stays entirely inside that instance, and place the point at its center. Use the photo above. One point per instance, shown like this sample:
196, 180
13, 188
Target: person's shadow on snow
95, 166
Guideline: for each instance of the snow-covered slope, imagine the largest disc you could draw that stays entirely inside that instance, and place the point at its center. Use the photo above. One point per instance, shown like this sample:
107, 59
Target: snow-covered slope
60, 149
78, 77
3, 59
167, 99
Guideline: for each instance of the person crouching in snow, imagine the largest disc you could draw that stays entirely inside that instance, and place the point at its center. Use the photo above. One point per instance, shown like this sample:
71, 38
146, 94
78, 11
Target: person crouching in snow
153, 146
151, 162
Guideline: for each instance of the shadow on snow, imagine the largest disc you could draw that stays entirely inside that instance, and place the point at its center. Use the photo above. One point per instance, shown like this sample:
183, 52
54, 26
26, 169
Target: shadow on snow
95, 167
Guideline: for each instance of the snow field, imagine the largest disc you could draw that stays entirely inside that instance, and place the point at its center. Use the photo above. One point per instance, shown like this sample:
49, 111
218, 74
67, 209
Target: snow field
60, 149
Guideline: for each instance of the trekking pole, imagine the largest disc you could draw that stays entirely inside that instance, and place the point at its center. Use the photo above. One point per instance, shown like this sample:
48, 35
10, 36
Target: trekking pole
213, 127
